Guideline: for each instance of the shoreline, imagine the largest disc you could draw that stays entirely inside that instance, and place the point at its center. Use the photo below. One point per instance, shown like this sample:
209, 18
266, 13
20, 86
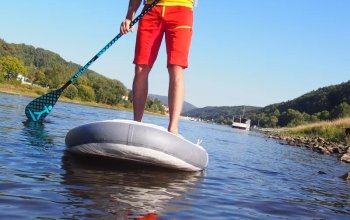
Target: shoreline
21, 90
316, 144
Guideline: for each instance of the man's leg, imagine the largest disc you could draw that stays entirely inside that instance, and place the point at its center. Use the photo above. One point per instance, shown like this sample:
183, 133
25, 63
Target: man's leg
176, 95
140, 90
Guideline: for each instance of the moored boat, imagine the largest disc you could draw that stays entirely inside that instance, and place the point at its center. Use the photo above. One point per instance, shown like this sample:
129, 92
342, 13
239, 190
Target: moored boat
241, 122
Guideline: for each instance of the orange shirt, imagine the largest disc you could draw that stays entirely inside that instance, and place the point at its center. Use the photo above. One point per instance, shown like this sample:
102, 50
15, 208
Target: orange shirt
186, 3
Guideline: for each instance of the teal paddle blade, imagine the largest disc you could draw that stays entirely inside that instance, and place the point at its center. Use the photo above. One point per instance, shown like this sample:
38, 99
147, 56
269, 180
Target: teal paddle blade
40, 107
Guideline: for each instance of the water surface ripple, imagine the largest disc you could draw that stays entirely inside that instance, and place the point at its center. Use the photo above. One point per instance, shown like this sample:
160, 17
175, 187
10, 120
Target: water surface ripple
248, 176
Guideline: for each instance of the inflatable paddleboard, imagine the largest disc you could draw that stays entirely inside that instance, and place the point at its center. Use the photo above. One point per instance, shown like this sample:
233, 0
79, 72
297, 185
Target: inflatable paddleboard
136, 142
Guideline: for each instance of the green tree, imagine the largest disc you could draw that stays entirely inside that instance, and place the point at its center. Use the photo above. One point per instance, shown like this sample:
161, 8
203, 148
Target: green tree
86, 93
101, 96
263, 119
130, 96
220, 120
276, 113
314, 118
38, 77
149, 103
157, 105
341, 111
273, 121
127, 104
292, 118
10, 67
323, 115
70, 92
82, 80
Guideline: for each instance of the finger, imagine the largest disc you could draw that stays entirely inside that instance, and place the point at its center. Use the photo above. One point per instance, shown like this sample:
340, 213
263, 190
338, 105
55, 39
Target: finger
123, 28
126, 27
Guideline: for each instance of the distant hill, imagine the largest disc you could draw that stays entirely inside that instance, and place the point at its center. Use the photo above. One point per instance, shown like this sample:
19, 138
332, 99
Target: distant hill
49, 70
326, 98
164, 99
325, 103
222, 113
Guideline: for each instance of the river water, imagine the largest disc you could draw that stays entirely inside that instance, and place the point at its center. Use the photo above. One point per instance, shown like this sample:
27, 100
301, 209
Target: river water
248, 176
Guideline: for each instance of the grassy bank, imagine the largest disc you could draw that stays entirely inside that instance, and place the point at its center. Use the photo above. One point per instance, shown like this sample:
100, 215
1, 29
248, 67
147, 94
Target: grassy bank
18, 89
36, 91
330, 130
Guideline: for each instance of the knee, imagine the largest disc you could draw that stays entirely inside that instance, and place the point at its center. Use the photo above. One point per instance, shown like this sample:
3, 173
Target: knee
142, 71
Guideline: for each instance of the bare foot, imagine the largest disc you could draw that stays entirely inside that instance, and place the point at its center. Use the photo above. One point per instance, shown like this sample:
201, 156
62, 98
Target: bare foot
174, 131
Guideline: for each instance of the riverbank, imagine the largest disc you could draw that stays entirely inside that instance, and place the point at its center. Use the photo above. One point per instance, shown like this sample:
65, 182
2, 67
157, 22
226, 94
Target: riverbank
334, 131
36, 91
327, 138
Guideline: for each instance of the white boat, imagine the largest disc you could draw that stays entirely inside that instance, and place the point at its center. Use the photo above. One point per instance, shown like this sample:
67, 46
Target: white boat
241, 123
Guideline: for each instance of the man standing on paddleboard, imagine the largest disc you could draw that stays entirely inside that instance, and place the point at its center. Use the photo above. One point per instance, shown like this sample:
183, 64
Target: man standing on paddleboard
172, 19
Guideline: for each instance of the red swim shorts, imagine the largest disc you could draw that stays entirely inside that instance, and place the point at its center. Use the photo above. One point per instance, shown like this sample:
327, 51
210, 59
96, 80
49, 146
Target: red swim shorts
175, 22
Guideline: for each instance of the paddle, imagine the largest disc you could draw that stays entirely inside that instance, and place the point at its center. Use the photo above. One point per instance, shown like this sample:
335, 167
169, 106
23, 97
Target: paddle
40, 107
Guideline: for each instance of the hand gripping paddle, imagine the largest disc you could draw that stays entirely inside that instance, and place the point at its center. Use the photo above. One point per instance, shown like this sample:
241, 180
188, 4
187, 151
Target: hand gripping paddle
40, 107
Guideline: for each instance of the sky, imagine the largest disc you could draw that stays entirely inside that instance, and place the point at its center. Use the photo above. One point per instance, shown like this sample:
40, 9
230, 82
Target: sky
243, 52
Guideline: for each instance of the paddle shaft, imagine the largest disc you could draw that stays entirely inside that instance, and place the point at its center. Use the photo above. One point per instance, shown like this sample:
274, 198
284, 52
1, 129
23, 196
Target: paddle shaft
84, 68
39, 108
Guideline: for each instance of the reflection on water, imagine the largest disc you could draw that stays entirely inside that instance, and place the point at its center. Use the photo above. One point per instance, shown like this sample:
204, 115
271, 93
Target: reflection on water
248, 176
36, 135
123, 191
109, 189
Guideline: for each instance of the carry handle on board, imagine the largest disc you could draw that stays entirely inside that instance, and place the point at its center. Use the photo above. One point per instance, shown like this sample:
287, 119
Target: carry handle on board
40, 107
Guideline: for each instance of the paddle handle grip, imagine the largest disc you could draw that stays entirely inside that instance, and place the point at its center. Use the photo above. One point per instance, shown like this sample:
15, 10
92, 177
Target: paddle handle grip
84, 68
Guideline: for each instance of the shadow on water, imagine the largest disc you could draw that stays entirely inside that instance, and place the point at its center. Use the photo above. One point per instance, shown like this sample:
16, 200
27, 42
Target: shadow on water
36, 135
124, 191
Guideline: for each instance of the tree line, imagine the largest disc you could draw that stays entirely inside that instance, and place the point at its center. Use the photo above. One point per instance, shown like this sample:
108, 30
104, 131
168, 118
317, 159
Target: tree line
220, 115
49, 70
292, 117
327, 103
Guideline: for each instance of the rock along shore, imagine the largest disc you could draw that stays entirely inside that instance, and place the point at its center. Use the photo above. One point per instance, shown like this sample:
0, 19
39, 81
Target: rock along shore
320, 145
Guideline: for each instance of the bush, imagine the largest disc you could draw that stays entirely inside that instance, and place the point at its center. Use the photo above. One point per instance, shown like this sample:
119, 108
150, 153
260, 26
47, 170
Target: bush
2, 78
86, 93
127, 104
71, 92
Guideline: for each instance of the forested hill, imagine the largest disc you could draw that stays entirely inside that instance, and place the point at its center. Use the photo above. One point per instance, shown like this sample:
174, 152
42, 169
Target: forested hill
49, 70
323, 99
325, 103
220, 114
